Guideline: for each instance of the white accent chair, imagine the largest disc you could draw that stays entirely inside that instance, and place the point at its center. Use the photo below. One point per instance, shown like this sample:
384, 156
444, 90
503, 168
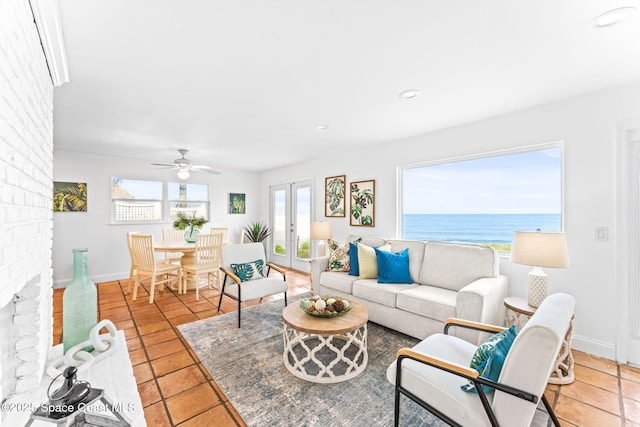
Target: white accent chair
432, 372
232, 285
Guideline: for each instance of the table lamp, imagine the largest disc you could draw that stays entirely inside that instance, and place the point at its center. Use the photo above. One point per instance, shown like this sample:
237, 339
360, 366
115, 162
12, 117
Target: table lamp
321, 231
539, 250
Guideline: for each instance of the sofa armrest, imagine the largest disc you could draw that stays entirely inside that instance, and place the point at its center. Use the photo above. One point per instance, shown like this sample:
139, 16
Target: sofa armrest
318, 265
482, 301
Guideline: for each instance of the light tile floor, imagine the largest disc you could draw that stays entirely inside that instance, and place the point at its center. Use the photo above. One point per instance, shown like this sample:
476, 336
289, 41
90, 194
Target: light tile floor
169, 374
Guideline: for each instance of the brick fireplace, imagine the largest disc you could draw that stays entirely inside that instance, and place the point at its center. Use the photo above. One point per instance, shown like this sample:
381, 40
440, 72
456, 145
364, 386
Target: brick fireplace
26, 167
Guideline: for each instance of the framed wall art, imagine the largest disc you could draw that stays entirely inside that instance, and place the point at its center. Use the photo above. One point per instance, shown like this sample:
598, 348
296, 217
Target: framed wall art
334, 196
237, 203
362, 206
69, 196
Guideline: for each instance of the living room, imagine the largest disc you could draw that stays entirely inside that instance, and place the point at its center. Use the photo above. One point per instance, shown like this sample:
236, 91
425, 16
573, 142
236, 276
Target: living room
597, 130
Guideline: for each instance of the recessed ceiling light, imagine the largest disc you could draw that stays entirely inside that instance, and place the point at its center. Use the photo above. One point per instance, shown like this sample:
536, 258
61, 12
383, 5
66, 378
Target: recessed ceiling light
409, 94
321, 128
612, 17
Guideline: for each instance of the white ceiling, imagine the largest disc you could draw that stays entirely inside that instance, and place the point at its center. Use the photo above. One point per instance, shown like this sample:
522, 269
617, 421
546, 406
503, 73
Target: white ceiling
243, 84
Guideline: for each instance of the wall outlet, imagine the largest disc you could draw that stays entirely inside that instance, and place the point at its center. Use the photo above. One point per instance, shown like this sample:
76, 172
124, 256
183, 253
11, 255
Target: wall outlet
602, 234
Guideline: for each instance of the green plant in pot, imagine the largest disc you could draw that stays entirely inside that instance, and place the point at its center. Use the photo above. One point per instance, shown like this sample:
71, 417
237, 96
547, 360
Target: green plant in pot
191, 223
257, 232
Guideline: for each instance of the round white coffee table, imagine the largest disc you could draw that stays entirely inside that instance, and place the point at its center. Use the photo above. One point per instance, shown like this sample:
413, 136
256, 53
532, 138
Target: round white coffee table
325, 350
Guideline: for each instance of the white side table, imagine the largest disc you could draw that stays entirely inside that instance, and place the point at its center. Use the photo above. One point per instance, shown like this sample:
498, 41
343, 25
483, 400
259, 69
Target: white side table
518, 312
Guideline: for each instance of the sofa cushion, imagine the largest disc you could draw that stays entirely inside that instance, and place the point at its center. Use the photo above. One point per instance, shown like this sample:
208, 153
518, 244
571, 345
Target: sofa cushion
337, 280
367, 262
393, 267
429, 301
453, 266
416, 255
385, 294
369, 241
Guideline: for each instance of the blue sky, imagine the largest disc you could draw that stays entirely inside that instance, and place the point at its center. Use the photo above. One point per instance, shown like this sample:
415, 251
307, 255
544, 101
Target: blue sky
526, 182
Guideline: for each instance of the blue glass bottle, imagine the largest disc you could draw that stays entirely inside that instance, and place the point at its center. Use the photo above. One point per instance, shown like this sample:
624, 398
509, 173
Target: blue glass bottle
79, 304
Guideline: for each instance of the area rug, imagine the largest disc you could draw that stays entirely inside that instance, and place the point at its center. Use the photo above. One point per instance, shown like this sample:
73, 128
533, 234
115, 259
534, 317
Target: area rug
247, 365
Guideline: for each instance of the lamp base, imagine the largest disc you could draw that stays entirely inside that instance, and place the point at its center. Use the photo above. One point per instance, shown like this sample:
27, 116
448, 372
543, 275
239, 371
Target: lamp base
538, 287
322, 248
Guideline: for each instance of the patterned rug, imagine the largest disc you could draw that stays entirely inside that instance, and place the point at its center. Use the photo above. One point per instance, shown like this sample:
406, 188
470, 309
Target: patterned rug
247, 365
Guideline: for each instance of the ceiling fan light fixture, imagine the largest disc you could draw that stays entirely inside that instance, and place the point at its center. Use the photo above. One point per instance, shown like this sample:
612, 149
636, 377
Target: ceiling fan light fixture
183, 173
613, 17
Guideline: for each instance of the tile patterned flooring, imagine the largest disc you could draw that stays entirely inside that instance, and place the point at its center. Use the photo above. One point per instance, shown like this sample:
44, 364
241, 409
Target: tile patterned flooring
176, 389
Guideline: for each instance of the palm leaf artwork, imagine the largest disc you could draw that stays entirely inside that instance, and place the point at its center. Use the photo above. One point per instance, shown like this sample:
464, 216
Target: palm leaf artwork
236, 203
69, 197
362, 198
334, 196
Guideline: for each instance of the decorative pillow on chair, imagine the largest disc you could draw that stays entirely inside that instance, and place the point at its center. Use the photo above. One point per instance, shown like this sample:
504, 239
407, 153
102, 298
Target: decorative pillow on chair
490, 356
393, 267
249, 271
338, 257
367, 263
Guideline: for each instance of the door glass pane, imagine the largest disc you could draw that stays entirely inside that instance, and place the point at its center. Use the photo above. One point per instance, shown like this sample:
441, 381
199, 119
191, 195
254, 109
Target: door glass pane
279, 222
303, 222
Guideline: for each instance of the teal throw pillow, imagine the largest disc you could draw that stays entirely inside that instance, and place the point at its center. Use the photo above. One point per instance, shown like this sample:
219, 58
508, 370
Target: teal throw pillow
490, 356
249, 271
393, 267
354, 268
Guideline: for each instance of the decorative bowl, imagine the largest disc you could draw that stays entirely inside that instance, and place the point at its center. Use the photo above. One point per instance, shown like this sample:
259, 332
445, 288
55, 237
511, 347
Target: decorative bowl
326, 301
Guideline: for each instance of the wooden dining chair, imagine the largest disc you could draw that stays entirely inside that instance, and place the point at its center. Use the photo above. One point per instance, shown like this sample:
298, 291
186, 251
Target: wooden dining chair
225, 233
134, 267
207, 260
172, 235
148, 266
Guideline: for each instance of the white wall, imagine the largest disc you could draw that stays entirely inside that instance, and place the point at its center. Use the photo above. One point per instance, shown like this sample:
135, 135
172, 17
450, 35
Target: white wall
586, 124
108, 258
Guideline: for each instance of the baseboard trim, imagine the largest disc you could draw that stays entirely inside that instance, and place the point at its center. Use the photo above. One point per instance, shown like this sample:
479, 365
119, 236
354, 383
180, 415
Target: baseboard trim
595, 347
62, 283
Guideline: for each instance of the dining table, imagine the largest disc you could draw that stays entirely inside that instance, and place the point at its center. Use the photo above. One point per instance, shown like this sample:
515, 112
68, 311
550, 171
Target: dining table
188, 255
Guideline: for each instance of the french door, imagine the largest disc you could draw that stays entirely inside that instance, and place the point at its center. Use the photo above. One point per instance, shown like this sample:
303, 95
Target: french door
291, 224
633, 356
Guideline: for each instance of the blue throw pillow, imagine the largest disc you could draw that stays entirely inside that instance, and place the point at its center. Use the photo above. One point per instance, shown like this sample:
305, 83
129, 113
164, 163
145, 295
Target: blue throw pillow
490, 356
393, 267
354, 268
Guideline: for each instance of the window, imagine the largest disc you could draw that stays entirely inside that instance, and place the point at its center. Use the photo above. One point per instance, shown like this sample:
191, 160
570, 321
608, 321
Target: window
192, 199
152, 201
135, 200
483, 200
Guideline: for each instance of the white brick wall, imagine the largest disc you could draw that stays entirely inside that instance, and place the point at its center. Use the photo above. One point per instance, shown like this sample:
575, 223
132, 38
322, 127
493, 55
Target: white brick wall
26, 165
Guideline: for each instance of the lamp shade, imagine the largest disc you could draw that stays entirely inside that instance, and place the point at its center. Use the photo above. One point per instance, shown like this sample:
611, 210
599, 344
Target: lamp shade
320, 230
540, 249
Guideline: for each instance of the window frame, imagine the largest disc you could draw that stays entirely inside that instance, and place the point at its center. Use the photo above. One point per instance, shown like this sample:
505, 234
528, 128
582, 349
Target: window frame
165, 203
481, 155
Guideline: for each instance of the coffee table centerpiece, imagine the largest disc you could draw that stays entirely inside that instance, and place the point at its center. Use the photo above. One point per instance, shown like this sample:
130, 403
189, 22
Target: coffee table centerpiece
325, 306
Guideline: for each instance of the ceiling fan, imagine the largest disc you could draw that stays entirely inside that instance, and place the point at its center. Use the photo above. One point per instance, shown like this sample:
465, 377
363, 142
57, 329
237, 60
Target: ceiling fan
184, 166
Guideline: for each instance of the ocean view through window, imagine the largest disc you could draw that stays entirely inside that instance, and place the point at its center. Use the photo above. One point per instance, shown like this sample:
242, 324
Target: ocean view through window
483, 200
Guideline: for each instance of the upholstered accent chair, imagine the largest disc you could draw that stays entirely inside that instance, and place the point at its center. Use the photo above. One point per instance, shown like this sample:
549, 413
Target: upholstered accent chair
435, 371
245, 275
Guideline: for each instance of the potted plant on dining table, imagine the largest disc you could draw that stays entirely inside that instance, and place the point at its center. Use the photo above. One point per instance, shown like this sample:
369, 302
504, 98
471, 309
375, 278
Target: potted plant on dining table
191, 223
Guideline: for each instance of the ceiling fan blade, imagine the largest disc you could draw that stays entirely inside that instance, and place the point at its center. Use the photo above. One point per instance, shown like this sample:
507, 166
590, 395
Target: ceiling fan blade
207, 169
163, 164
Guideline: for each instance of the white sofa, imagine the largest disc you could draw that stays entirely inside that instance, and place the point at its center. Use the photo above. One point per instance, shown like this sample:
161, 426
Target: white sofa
449, 280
